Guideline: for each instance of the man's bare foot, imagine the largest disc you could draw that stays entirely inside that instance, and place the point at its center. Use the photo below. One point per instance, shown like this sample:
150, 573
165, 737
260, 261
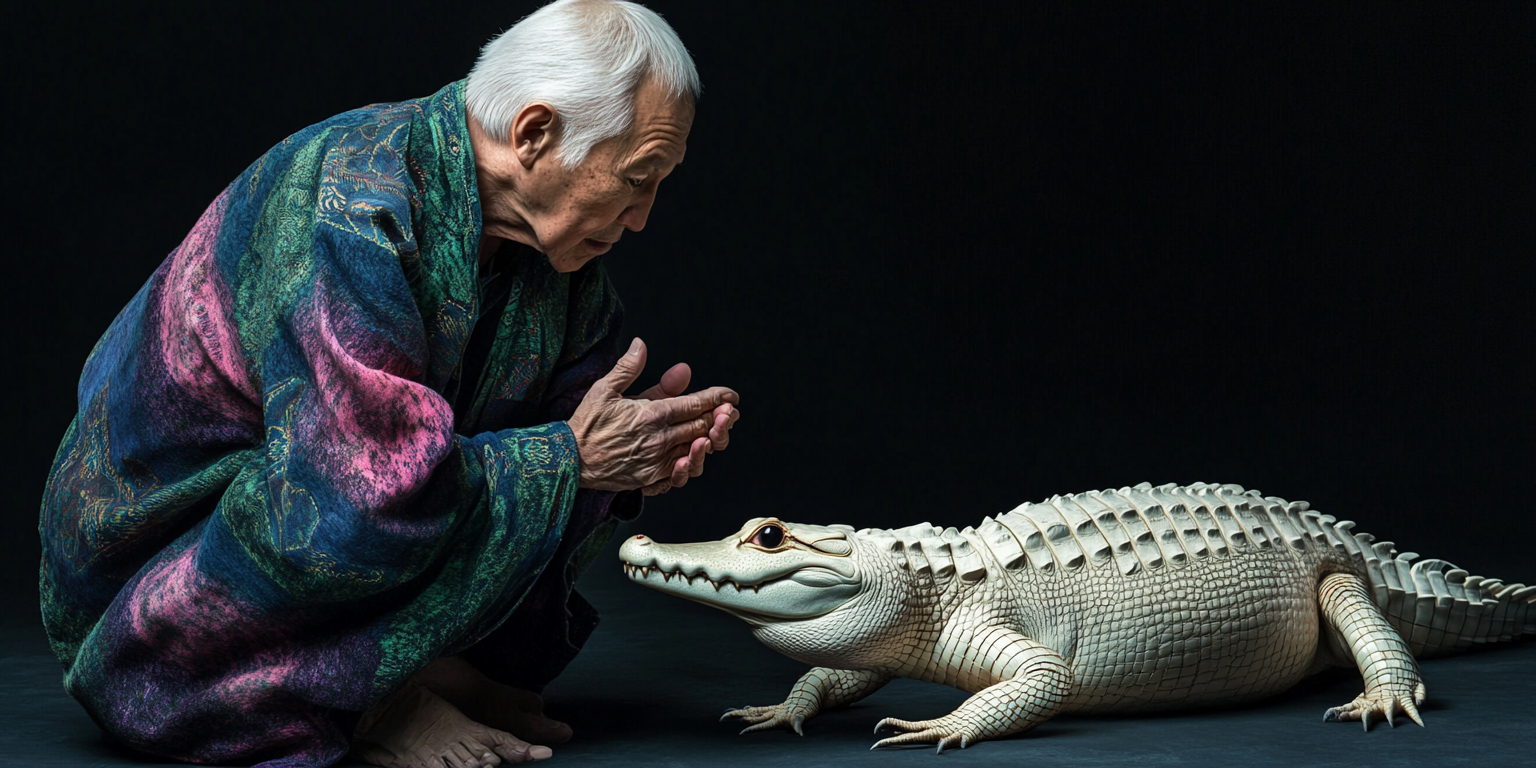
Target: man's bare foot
414, 728
486, 701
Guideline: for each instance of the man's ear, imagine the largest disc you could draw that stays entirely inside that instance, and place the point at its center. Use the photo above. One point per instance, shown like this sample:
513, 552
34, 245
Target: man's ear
533, 133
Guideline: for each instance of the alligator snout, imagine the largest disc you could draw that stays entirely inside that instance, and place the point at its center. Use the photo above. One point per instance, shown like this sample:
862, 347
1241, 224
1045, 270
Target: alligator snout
642, 557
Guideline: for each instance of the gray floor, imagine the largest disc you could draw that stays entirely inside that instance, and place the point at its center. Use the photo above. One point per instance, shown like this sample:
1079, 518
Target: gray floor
659, 671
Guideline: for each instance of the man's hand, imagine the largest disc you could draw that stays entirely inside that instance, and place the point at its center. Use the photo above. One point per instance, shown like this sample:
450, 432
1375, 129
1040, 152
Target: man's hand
656, 441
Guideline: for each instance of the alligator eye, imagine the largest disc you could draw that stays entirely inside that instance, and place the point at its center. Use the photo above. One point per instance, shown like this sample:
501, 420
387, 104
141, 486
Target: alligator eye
768, 537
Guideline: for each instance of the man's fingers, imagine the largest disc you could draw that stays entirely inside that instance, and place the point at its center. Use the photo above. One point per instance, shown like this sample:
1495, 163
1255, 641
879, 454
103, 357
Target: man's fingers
720, 433
628, 368
657, 488
691, 405
673, 383
691, 465
711, 425
684, 433
654, 393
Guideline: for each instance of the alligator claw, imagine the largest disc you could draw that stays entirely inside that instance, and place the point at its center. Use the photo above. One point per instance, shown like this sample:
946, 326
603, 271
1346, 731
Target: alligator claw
767, 718
941, 731
1380, 705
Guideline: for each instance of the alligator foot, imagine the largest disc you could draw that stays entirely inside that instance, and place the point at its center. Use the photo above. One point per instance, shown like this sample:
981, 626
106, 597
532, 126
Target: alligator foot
947, 731
1380, 705
768, 718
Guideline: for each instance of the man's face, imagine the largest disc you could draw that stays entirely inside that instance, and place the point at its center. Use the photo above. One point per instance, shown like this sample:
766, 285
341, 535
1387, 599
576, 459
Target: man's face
572, 215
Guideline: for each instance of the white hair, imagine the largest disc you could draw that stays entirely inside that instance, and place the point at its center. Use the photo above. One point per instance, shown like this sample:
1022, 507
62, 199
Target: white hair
584, 58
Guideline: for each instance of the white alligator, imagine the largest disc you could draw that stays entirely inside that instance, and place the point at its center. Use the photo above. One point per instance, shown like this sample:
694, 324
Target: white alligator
1109, 601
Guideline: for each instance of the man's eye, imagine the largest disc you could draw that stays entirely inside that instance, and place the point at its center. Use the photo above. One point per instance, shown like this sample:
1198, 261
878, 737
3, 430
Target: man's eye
635, 183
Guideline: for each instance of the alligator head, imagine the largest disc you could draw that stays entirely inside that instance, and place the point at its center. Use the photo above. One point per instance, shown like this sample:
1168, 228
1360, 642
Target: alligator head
768, 572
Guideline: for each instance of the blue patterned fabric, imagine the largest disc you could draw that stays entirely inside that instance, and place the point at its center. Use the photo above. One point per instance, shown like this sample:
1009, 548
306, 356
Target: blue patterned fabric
267, 513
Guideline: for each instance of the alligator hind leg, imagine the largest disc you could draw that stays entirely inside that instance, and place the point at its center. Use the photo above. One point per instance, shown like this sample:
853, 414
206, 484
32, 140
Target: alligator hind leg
1034, 684
1391, 674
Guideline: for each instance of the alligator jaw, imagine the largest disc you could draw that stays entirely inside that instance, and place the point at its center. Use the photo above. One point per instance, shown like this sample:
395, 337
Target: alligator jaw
644, 572
750, 582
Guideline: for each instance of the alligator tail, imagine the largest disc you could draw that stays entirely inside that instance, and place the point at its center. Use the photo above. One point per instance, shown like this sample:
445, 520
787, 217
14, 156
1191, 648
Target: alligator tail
1439, 608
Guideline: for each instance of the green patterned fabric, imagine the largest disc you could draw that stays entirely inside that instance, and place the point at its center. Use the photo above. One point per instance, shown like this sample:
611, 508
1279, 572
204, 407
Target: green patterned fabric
280, 497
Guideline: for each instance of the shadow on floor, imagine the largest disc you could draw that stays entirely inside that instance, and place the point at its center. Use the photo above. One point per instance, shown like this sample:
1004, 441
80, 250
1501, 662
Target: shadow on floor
656, 676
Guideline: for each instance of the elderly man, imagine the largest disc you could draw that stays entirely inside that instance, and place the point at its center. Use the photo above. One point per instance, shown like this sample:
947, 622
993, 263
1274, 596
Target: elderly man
338, 463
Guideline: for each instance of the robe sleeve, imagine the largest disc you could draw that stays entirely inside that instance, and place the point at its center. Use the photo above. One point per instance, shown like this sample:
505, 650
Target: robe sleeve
364, 483
265, 503
553, 621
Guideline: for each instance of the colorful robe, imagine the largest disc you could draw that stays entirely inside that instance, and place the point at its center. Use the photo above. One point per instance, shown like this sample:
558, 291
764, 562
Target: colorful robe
267, 514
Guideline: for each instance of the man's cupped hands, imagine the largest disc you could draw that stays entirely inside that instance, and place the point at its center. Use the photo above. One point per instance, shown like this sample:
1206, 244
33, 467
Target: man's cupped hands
654, 441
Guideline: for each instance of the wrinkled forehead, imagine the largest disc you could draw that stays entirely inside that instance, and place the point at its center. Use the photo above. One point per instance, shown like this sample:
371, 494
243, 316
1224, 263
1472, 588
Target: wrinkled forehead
660, 125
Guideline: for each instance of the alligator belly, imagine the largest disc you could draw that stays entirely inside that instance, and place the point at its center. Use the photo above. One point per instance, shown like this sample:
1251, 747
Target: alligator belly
1223, 632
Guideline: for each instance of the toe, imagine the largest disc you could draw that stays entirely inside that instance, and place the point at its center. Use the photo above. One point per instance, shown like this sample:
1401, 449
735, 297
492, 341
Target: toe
483, 755
515, 750
537, 728
548, 731
764, 725
461, 756
922, 737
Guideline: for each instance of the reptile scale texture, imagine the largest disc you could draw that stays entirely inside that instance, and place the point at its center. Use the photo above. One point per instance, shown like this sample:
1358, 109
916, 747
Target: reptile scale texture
1122, 600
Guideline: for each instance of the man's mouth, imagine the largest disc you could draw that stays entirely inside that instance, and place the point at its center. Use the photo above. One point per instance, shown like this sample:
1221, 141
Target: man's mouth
600, 246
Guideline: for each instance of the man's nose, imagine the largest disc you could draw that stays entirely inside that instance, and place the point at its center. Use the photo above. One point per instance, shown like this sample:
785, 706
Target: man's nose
633, 218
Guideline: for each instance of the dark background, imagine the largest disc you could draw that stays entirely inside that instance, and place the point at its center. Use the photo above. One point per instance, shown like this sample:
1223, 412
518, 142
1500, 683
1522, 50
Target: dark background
954, 256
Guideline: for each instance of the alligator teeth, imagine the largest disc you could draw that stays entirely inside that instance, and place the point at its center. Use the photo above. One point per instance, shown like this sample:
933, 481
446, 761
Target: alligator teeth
689, 579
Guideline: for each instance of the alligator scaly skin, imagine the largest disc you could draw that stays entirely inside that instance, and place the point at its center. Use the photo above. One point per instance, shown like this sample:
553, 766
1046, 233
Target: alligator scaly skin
1134, 599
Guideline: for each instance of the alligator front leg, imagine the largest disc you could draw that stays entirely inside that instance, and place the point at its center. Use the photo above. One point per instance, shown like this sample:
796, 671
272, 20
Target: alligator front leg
1034, 683
1391, 673
819, 689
